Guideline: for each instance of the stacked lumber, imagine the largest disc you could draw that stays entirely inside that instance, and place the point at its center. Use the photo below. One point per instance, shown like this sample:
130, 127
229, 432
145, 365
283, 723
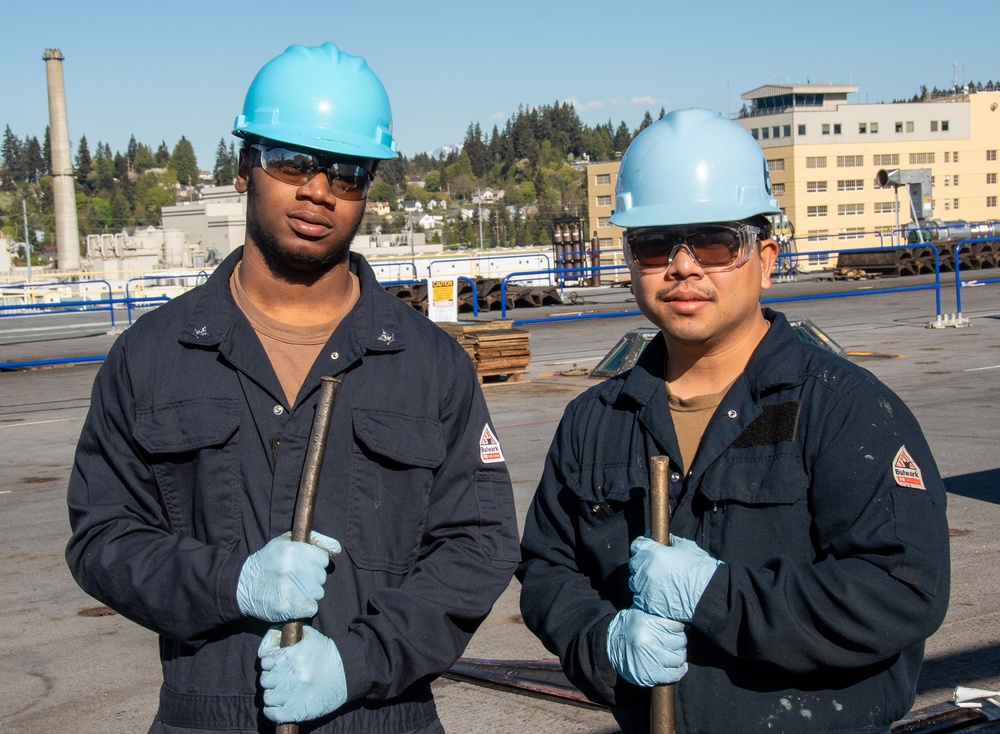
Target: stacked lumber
496, 349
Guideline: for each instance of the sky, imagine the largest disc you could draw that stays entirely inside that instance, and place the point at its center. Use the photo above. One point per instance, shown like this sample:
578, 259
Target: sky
160, 71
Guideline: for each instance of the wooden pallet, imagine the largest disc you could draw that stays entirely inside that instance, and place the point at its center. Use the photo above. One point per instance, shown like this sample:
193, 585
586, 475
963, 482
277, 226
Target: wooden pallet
497, 349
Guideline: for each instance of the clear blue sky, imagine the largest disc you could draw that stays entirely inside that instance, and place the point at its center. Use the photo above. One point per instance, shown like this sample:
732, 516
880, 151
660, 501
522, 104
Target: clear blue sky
163, 70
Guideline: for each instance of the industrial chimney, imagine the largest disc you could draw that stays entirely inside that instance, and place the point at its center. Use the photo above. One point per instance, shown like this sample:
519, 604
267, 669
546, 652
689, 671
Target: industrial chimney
63, 191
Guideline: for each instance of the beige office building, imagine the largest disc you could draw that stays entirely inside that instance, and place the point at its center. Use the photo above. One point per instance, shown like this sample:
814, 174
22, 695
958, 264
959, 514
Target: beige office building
824, 154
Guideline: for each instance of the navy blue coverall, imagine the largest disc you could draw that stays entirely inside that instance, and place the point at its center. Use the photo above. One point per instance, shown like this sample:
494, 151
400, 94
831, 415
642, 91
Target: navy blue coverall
190, 461
835, 558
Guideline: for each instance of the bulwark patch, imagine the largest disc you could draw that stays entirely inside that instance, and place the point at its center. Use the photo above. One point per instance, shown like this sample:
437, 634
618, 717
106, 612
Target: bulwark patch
489, 447
905, 470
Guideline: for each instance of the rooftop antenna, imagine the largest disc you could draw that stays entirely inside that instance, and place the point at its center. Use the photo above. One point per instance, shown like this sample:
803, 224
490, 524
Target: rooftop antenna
954, 75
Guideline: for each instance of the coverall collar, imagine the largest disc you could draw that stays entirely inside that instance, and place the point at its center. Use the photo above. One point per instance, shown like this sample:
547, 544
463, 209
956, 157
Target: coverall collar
374, 325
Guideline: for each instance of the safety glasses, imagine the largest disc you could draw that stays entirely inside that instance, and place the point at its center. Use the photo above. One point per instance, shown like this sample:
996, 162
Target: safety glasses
714, 247
296, 167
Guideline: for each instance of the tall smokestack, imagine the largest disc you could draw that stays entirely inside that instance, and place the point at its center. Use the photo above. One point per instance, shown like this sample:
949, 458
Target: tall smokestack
63, 191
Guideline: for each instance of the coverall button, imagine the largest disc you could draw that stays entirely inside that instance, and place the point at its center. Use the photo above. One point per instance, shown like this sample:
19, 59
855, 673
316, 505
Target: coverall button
731, 413
675, 477
278, 410
335, 355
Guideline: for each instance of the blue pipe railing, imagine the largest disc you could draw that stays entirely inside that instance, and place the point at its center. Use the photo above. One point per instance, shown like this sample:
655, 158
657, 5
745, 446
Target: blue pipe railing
958, 278
101, 304
936, 287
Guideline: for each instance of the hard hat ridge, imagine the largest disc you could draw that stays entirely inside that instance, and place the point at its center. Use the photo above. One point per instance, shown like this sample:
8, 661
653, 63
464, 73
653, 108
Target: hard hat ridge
321, 98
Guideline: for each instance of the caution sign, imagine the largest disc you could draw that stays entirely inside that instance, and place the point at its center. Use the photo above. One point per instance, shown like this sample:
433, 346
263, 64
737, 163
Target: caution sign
442, 299
489, 447
905, 470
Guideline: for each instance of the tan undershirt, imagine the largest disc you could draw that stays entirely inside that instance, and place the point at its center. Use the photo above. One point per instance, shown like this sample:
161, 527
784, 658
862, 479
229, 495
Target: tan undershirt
291, 349
691, 417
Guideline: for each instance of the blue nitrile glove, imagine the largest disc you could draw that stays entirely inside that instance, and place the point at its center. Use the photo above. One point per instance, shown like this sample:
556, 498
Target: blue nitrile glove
284, 579
647, 650
669, 580
303, 681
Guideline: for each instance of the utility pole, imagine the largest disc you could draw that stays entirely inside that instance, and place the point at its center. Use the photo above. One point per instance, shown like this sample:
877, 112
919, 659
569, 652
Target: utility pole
27, 238
479, 201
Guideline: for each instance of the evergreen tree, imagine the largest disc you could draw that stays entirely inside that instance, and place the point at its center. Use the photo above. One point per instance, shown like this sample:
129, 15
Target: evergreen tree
647, 120
104, 168
162, 155
84, 163
475, 148
47, 150
13, 165
223, 173
144, 159
130, 151
183, 162
393, 171
622, 138
33, 161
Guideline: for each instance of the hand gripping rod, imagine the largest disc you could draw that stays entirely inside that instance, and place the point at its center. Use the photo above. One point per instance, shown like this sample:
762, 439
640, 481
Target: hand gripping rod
305, 502
661, 706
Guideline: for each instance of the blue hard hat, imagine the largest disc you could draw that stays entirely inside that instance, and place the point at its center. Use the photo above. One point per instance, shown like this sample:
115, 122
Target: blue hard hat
692, 167
321, 98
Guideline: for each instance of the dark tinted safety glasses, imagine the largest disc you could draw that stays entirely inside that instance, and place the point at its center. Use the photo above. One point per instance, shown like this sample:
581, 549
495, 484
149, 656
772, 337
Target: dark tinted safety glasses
714, 247
296, 167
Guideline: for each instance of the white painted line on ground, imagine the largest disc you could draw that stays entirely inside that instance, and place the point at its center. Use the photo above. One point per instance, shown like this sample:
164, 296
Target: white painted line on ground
38, 423
980, 369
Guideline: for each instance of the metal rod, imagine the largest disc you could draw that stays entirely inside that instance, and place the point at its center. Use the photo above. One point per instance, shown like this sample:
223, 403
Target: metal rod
661, 705
305, 502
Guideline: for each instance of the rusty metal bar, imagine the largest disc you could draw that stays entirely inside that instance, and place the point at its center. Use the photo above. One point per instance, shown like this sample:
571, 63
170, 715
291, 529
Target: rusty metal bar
661, 707
305, 502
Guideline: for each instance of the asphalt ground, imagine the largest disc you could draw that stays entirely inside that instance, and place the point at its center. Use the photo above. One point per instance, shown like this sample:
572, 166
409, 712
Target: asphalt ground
68, 665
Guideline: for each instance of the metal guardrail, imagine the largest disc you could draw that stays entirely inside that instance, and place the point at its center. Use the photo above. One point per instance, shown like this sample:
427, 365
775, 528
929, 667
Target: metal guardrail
936, 287
102, 304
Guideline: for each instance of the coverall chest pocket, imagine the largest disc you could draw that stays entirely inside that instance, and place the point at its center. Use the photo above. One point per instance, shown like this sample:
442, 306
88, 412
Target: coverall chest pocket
392, 469
192, 447
753, 503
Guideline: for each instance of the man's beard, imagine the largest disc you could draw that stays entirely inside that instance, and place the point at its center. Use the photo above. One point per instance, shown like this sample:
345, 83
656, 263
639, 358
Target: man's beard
284, 262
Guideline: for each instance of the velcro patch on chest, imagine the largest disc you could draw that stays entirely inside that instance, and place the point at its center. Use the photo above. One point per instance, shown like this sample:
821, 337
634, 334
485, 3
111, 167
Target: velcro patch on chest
905, 470
775, 424
489, 447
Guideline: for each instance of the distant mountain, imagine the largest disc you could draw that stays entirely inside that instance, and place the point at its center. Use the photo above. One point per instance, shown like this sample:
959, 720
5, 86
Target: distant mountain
445, 150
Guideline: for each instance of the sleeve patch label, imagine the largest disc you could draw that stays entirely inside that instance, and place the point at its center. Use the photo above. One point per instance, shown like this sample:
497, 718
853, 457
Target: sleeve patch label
905, 470
489, 447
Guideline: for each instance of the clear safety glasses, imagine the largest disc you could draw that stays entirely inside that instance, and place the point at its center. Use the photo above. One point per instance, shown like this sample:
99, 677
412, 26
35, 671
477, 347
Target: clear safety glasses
296, 167
714, 247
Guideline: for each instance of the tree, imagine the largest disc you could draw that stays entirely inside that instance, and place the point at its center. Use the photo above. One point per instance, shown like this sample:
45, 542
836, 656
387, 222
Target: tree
393, 171
162, 155
383, 191
34, 163
130, 151
647, 120
104, 168
84, 163
224, 172
47, 150
432, 181
183, 162
13, 165
476, 150
622, 137
144, 159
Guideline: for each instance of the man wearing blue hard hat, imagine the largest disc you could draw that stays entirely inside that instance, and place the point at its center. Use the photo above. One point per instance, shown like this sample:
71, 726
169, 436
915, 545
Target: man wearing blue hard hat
200, 431
809, 555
